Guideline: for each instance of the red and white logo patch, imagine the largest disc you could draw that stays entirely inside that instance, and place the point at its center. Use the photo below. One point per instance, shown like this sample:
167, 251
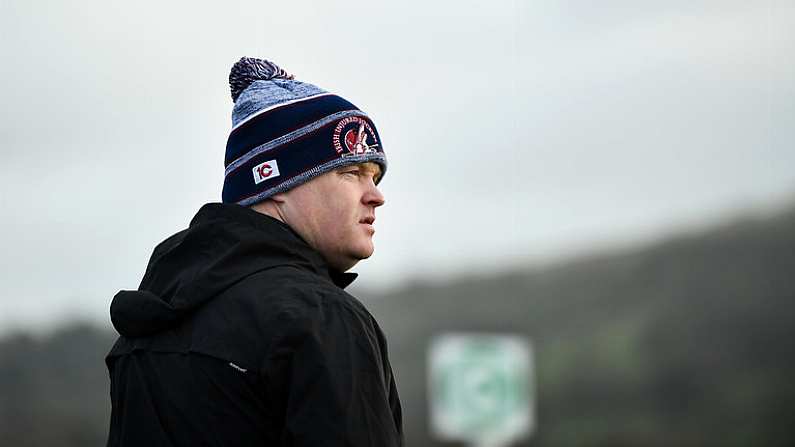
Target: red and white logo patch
265, 171
354, 136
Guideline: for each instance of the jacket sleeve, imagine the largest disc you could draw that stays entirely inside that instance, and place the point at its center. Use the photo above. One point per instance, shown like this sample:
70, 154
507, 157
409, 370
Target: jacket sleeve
333, 381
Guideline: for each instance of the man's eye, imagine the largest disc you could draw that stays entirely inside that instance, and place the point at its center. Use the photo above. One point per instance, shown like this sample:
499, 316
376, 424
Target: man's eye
354, 172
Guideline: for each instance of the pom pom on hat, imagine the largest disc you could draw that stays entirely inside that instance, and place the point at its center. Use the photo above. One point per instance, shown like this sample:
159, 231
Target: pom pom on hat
249, 69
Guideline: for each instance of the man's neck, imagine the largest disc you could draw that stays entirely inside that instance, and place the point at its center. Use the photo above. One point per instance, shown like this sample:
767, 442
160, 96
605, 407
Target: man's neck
269, 208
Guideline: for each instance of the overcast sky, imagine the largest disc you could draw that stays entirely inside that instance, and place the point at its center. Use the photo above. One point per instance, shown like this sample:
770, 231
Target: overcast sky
517, 131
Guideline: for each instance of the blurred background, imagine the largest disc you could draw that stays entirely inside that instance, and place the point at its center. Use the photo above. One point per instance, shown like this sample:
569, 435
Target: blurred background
613, 182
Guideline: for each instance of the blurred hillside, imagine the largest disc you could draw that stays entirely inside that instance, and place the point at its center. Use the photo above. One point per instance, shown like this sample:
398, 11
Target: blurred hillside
686, 342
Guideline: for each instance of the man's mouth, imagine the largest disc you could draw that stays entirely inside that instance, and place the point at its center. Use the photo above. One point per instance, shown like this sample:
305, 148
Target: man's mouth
368, 223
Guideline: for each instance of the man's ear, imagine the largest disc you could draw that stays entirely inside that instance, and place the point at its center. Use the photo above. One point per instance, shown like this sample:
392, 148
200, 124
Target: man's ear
279, 197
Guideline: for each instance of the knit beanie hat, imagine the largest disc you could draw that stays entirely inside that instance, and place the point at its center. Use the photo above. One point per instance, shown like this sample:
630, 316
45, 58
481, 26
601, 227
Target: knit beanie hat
286, 132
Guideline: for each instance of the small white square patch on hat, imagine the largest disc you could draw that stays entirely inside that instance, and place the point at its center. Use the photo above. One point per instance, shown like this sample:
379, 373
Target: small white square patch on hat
265, 171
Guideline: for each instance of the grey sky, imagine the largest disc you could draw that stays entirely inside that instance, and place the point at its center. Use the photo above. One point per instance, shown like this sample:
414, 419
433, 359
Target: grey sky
516, 131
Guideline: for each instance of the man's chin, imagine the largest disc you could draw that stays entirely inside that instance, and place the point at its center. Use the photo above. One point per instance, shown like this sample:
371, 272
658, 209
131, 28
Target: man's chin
351, 260
361, 255
367, 252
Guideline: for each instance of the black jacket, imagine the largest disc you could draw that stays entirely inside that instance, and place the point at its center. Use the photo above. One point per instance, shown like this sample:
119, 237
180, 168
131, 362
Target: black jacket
240, 335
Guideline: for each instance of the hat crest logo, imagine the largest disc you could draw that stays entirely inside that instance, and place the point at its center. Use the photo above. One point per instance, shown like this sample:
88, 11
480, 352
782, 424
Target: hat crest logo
354, 136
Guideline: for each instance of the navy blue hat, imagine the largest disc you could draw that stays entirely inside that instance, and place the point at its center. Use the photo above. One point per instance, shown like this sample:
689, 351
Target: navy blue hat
286, 132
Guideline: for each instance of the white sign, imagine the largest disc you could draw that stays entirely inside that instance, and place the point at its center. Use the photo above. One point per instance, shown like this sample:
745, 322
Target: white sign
480, 388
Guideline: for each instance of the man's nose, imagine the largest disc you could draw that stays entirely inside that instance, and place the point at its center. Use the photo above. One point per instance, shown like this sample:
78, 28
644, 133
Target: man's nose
373, 196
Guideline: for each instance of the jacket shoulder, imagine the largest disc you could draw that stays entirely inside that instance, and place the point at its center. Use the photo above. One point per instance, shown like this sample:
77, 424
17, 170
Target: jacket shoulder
262, 310
292, 289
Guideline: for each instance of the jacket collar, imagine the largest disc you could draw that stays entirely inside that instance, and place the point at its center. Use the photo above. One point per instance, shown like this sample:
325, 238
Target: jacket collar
277, 230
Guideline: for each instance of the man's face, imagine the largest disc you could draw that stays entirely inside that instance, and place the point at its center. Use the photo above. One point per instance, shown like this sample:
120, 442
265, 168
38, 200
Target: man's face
334, 213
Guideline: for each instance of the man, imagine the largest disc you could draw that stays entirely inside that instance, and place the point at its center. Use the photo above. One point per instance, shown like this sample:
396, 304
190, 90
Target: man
240, 332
